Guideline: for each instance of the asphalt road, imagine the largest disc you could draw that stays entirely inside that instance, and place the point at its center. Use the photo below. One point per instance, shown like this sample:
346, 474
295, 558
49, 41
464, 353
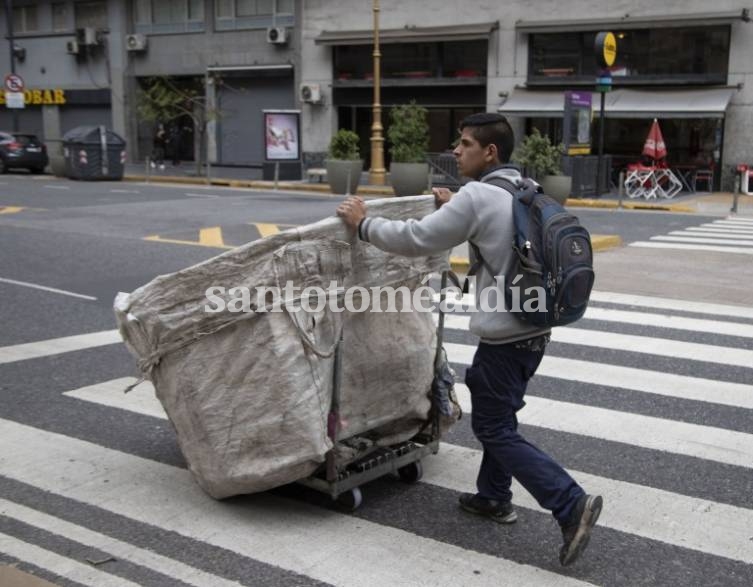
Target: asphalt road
648, 401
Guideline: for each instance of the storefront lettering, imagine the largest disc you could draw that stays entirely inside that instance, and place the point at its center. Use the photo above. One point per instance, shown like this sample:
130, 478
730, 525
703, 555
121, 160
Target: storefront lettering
40, 97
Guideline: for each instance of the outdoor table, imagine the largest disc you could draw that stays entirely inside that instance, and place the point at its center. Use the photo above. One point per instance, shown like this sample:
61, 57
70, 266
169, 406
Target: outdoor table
651, 182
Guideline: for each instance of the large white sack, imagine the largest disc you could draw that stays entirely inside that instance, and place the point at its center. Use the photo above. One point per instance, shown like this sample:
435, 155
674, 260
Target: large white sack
249, 393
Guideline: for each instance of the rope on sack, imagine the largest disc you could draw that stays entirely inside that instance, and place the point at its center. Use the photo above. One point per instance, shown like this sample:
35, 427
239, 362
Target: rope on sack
308, 340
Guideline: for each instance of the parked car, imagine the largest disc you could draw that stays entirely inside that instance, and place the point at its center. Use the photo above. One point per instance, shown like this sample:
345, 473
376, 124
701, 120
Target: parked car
22, 150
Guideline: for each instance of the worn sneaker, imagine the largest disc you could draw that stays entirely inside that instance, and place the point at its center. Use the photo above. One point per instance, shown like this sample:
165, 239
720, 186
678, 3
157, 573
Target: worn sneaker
499, 511
577, 534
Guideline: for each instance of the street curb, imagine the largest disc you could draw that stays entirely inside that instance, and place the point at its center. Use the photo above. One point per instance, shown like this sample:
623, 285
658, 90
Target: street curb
599, 242
611, 204
322, 188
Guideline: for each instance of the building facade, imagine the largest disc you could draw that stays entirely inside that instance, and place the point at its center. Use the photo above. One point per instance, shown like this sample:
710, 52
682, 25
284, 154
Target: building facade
684, 62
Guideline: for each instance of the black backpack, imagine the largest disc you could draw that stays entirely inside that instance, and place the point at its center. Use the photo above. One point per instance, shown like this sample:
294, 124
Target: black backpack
552, 251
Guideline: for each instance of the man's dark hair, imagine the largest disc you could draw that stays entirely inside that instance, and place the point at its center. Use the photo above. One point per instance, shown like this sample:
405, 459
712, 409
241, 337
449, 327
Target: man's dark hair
487, 128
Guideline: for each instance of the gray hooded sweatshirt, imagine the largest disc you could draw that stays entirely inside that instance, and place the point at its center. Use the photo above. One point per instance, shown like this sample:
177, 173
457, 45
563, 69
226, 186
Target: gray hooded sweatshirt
482, 214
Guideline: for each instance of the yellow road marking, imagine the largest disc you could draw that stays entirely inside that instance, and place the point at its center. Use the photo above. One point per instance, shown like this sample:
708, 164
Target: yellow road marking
10, 209
211, 237
266, 229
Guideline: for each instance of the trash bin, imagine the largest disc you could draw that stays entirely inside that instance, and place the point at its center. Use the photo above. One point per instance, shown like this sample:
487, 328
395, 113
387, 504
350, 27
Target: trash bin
93, 153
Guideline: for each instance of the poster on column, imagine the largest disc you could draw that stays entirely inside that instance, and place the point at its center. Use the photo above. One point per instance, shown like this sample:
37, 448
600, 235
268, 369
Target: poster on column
576, 129
282, 135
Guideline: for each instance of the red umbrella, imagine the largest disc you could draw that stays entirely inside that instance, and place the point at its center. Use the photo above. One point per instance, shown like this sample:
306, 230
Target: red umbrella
654, 146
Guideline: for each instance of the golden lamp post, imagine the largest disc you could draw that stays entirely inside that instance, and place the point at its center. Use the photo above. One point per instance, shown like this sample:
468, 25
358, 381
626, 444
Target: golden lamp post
377, 171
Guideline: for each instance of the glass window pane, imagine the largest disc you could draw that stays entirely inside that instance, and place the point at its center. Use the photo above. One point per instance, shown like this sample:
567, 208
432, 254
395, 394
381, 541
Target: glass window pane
224, 8
31, 18
143, 11
161, 12
196, 10
60, 16
245, 8
178, 11
265, 7
285, 7
91, 14
18, 19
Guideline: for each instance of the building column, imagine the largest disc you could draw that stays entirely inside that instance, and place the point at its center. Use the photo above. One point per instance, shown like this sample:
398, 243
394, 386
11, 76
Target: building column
52, 130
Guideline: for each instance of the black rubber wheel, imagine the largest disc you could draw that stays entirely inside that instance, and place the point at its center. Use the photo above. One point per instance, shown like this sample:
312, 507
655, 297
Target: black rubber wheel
350, 500
411, 473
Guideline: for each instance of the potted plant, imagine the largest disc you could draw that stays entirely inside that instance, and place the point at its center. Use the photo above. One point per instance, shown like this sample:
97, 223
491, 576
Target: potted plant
344, 164
409, 140
542, 161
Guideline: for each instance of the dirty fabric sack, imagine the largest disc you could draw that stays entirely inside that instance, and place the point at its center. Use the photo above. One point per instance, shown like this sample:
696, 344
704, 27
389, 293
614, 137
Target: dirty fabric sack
248, 392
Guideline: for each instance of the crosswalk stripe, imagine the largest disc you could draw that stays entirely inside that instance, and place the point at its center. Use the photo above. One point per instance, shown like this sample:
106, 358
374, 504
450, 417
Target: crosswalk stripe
455, 466
703, 240
56, 346
718, 229
658, 303
680, 520
741, 219
642, 301
643, 319
117, 548
259, 528
663, 347
707, 234
642, 380
703, 442
688, 247
60, 565
731, 225
49, 289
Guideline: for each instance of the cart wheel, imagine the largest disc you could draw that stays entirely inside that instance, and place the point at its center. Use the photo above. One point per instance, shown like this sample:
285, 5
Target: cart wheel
350, 500
411, 473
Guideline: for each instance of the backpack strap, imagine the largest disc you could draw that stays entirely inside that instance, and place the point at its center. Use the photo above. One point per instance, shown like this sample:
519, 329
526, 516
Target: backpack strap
478, 260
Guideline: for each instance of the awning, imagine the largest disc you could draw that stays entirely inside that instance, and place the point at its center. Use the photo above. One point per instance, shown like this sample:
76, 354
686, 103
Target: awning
466, 32
633, 22
706, 103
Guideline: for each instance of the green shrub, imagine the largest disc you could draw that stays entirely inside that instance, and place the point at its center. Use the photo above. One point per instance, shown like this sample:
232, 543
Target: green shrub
538, 155
344, 145
408, 133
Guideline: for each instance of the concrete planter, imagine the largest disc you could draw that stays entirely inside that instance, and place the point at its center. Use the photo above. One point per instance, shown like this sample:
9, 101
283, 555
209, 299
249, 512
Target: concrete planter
558, 187
409, 179
340, 172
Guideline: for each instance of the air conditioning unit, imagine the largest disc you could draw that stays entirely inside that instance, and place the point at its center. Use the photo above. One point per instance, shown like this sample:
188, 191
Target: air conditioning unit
72, 48
136, 42
311, 93
277, 35
87, 36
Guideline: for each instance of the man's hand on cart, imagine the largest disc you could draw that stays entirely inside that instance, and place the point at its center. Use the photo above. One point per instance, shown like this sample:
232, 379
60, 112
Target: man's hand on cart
441, 196
352, 211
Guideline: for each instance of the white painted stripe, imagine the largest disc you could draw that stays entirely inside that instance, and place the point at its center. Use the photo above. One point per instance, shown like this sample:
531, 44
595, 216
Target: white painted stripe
118, 549
57, 187
208, 196
693, 440
653, 302
740, 219
56, 346
642, 319
631, 378
682, 521
60, 565
684, 247
733, 222
703, 240
45, 288
662, 347
691, 518
709, 234
125, 191
730, 225
141, 399
711, 229
277, 531
670, 304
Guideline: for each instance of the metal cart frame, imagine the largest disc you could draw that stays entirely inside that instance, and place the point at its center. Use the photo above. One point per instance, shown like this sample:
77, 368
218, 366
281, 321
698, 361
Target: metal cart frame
341, 479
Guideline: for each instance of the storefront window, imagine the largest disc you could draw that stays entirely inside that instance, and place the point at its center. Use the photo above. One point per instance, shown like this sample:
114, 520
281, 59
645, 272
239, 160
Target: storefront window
685, 55
466, 59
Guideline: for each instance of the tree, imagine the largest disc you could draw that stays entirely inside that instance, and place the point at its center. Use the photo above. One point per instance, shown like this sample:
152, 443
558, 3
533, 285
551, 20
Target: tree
165, 99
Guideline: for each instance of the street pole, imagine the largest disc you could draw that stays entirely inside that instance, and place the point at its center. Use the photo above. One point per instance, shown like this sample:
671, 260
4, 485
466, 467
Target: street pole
600, 160
11, 43
377, 171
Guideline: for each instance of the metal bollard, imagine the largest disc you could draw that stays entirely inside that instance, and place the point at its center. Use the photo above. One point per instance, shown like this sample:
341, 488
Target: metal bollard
621, 189
277, 173
736, 193
148, 167
347, 186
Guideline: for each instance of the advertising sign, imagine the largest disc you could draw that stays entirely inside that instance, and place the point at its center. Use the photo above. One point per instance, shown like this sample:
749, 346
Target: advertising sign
576, 128
282, 135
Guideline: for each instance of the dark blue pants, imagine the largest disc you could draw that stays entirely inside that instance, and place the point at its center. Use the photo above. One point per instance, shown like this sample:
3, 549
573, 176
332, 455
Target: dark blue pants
497, 380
